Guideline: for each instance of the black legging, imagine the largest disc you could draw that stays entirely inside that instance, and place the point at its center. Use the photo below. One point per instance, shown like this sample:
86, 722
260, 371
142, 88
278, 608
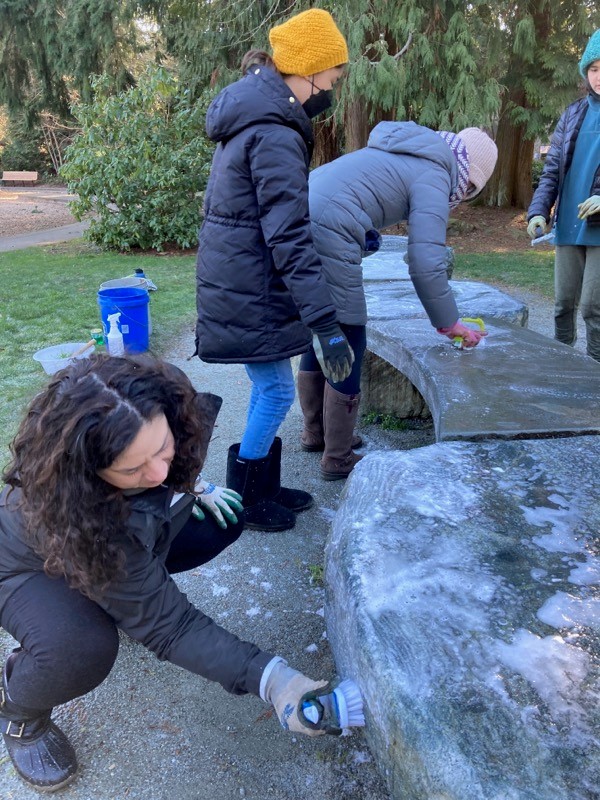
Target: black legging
69, 644
357, 337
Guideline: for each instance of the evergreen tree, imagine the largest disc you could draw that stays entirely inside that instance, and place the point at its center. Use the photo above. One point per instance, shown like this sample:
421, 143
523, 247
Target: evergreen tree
49, 49
417, 60
536, 47
438, 81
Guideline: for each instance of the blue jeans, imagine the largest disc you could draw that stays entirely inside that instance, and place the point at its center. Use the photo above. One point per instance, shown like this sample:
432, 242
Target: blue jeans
271, 398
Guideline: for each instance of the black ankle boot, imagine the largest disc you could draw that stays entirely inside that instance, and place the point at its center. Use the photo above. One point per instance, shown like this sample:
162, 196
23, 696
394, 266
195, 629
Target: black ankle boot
249, 477
294, 499
38, 749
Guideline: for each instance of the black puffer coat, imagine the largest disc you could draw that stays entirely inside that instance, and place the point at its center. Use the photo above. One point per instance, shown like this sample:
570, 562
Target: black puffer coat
146, 603
558, 161
259, 282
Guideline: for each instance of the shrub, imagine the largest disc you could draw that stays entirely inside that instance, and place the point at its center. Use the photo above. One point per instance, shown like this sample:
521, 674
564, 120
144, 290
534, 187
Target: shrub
536, 171
24, 149
140, 163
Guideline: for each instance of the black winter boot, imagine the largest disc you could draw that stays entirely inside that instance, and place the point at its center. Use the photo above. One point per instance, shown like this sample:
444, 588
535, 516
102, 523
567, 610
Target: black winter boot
250, 478
294, 499
38, 749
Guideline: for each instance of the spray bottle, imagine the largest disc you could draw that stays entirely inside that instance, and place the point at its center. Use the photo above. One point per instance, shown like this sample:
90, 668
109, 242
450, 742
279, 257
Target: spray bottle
333, 708
114, 339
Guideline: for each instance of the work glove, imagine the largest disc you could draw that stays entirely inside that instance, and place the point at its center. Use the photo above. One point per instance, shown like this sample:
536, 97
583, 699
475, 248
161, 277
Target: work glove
221, 502
333, 351
470, 337
534, 223
589, 207
284, 689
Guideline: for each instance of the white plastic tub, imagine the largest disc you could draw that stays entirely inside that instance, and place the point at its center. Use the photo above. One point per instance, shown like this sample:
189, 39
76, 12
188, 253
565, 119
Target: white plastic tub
59, 356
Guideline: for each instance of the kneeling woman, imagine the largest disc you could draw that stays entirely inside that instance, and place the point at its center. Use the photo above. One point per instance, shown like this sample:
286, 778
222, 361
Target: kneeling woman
101, 506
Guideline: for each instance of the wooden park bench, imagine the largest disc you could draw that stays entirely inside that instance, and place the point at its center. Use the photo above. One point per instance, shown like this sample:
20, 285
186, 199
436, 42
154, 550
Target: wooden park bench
22, 177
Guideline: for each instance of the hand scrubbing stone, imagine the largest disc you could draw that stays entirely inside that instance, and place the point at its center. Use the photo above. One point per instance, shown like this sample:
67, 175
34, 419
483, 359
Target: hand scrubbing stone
334, 710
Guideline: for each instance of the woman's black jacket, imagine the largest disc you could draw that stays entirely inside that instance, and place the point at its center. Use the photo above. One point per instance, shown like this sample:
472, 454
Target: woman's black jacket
146, 602
259, 281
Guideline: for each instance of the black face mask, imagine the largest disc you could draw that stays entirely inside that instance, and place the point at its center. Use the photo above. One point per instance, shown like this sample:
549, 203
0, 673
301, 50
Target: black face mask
318, 102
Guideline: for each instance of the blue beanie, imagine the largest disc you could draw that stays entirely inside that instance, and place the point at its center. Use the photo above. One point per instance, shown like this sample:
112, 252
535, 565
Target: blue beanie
590, 54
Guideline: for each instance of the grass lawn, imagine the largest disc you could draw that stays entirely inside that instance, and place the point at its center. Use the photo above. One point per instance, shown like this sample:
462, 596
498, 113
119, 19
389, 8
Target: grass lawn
48, 296
531, 270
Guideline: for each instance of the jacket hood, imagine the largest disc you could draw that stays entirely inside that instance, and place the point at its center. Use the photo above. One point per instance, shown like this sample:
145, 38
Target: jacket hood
408, 138
261, 96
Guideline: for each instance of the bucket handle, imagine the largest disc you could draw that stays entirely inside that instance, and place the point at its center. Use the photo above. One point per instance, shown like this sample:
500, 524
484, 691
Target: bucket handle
126, 316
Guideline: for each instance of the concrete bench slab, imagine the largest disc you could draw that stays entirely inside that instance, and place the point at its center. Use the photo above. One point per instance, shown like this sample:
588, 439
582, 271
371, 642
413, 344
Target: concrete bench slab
397, 299
461, 597
517, 384
389, 262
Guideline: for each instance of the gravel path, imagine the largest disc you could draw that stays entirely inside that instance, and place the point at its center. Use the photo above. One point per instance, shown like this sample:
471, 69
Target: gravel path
28, 209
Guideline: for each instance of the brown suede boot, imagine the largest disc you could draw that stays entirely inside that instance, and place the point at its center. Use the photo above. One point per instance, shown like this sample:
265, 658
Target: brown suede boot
311, 386
310, 394
339, 416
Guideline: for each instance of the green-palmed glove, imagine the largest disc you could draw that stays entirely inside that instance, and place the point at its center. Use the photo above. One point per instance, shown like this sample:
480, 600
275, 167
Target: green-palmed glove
534, 223
589, 207
221, 502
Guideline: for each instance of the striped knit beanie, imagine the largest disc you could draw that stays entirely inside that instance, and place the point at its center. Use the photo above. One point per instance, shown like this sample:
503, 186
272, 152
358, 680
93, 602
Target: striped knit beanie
483, 155
459, 150
590, 54
308, 43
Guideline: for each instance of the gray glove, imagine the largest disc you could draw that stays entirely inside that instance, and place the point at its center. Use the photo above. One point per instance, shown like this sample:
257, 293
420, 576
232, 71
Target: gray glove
284, 689
333, 351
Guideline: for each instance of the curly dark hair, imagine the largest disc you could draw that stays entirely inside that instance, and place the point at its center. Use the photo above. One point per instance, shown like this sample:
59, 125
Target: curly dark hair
79, 424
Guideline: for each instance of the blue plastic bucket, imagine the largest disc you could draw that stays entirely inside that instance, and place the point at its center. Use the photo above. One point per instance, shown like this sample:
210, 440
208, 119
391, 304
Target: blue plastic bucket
130, 280
132, 303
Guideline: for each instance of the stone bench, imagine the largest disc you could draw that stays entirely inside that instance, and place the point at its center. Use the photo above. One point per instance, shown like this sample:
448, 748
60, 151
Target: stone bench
461, 597
460, 576
518, 383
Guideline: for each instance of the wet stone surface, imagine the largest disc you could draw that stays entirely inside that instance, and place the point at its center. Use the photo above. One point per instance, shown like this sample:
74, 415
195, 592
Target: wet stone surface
461, 596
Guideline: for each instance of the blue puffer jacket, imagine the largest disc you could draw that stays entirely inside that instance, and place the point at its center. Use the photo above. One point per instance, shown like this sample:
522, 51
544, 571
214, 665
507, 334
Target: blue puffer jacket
259, 281
558, 161
406, 172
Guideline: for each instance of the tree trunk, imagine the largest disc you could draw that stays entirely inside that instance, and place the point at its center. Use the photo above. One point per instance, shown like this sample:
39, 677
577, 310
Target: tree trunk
326, 142
356, 125
510, 184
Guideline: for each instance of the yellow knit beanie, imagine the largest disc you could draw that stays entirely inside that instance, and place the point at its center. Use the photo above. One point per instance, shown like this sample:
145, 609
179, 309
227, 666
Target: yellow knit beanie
308, 43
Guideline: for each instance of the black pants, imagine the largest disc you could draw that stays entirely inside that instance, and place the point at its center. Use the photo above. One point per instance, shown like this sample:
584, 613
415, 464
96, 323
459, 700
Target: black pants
357, 337
69, 644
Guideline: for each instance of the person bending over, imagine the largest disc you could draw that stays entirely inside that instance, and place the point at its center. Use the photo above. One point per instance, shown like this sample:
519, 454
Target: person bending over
406, 172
